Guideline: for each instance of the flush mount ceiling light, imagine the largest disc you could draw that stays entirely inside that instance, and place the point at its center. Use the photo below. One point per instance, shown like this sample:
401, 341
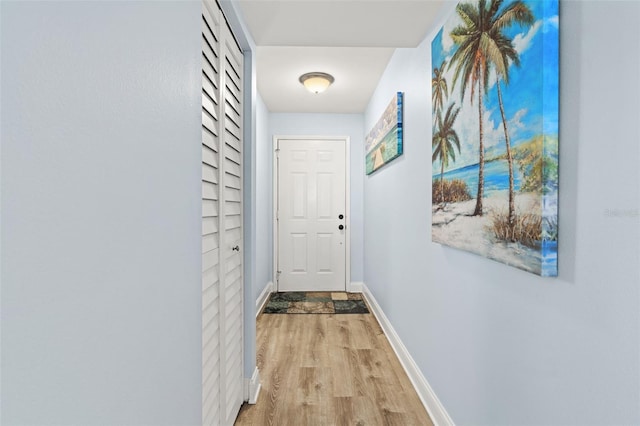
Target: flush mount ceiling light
316, 82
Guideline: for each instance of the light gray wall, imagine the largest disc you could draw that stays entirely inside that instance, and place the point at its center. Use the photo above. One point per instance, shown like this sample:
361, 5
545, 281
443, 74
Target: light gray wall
301, 124
264, 200
101, 305
498, 345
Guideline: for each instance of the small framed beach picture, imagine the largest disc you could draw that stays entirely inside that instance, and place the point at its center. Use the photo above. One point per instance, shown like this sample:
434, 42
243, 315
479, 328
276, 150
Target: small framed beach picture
384, 142
494, 92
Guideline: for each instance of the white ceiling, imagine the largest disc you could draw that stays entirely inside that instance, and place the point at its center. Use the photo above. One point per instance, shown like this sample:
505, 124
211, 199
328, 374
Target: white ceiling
356, 72
352, 40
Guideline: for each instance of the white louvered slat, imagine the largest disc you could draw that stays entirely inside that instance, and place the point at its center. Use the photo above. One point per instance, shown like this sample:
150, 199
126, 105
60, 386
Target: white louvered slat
211, 364
209, 88
234, 336
231, 128
210, 54
209, 156
232, 181
233, 221
233, 273
209, 106
209, 260
210, 394
208, 122
209, 173
232, 141
232, 79
232, 167
232, 194
232, 108
209, 208
230, 358
211, 407
233, 299
209, 242
210, 321
232, 84
210, 278
209, 70
232, 154
211, 377
209, 225
233, 234
209, 191
232, 125
232, 98
210, 44
233, 208
209, 296
210, 139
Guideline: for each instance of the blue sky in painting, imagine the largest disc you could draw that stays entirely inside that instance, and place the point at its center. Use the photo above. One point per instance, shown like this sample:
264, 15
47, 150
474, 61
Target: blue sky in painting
532, 92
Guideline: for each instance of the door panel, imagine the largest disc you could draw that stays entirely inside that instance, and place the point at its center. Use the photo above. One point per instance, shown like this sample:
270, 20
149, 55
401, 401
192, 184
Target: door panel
311, 191
232, 341
211, 386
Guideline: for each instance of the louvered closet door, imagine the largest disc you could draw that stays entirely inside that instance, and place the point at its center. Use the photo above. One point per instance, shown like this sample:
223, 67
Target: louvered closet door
222, 283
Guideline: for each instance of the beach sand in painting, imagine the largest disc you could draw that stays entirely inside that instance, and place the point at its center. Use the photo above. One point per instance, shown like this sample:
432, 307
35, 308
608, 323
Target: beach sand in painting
453, 225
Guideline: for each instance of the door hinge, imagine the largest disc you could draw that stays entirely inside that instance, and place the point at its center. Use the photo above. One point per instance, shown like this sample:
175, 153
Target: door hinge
277, 151
278, 276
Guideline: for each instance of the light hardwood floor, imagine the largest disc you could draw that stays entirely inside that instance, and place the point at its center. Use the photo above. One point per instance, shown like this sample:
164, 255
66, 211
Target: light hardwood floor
326, 369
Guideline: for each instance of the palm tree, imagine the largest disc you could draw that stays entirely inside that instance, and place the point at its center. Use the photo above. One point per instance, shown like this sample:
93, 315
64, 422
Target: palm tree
471, 62
439, 89
443, 142
481, 44
516, 12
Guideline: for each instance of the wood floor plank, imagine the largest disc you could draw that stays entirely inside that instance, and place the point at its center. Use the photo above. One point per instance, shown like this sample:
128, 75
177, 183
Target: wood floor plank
329, 369
342, 383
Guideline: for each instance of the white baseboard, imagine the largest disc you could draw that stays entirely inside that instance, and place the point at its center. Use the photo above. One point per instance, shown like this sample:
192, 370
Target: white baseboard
436, 411
252, 387
264, 296
355, 287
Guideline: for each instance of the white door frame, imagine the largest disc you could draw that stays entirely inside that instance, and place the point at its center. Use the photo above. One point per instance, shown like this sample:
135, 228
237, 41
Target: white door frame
347, 147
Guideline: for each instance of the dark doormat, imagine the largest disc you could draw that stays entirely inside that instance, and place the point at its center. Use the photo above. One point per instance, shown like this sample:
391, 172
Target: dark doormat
300, 302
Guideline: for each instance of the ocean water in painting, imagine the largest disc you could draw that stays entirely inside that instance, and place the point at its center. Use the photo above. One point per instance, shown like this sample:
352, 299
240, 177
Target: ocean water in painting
497, 176
512, 119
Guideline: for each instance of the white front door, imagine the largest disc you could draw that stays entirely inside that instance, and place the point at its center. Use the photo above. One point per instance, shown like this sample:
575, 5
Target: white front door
311, 215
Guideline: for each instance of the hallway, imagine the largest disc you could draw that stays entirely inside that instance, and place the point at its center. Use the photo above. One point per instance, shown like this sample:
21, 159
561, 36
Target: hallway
326, 369
115, 256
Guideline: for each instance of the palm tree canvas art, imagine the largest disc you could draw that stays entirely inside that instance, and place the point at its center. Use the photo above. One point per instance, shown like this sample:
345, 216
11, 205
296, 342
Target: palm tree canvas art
494, 158
384, 142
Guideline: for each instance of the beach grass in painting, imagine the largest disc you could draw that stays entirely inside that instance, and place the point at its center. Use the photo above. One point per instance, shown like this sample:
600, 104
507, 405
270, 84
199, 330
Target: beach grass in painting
495, 132
384, 141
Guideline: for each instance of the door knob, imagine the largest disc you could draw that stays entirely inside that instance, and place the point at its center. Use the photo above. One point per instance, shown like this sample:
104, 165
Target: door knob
341, 227
236, 248
340, 216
